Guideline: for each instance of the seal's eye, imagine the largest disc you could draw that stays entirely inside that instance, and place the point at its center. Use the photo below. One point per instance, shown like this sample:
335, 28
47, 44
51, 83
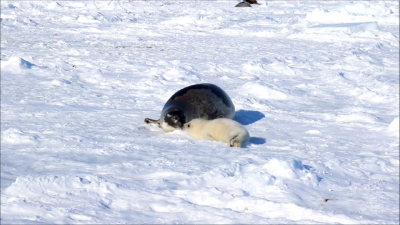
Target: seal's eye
189, 125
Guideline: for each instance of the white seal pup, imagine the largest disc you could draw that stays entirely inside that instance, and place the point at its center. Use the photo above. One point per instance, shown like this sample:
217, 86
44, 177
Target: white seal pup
221, 129
206, 101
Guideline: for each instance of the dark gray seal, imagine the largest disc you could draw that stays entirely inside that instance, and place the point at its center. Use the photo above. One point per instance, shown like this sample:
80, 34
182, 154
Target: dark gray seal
206, 101
243, 4
252, 2
246, 3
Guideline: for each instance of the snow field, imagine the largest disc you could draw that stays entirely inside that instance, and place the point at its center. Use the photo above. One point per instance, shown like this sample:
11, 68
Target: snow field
315, 83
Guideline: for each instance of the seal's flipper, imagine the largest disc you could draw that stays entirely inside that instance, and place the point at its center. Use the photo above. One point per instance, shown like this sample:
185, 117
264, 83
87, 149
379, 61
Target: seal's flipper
148, 120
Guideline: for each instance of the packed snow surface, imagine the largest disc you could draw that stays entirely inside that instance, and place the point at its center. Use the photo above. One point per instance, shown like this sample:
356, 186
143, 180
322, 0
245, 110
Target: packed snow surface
315, 83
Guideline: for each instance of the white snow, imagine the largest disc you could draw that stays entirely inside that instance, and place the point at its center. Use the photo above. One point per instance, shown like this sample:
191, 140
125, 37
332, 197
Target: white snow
316, 83
347, 27
394, 126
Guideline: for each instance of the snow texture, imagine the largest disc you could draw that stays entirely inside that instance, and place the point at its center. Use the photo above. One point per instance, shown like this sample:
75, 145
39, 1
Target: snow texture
316, 83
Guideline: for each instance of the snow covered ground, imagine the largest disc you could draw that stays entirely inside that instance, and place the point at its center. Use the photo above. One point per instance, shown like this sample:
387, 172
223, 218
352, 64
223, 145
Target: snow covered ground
315, 83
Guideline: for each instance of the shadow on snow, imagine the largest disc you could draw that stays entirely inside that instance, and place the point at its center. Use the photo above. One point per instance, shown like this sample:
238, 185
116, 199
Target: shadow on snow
247, 117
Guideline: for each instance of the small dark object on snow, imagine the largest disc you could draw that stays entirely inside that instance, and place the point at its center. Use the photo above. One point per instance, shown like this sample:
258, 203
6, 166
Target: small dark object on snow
243, 4
251, 1
247, 3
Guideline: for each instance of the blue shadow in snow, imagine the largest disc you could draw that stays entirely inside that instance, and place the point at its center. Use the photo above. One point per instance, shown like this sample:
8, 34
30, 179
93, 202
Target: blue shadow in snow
301, 166
26, 64
257, 140
247, 117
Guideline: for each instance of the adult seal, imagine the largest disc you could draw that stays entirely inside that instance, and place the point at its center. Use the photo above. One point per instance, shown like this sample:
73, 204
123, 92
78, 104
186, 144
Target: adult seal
247, 3
206, 101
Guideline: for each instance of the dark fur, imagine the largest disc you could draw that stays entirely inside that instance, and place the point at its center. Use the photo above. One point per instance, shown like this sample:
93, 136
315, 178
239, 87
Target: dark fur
247, 3
175, 119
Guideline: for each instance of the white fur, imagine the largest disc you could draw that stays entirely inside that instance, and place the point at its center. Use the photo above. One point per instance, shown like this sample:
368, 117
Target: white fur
221, 129
166, 127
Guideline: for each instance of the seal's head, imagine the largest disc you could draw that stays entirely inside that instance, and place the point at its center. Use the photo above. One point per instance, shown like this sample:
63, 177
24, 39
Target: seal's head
173, 120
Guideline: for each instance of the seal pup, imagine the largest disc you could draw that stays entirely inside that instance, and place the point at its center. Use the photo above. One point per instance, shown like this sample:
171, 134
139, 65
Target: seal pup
221, 129
206, 101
